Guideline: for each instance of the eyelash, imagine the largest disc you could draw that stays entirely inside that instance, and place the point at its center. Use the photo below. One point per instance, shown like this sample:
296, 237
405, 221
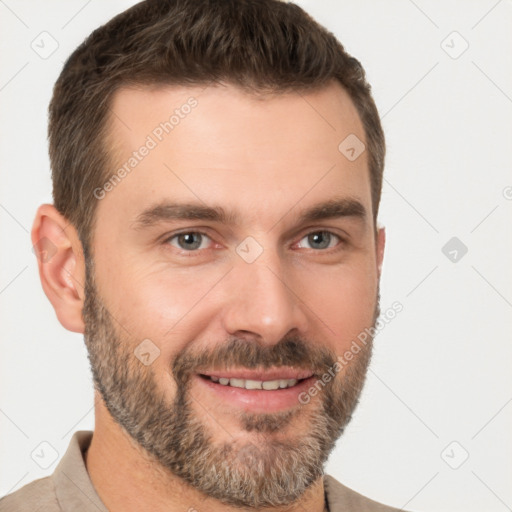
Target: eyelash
341, 241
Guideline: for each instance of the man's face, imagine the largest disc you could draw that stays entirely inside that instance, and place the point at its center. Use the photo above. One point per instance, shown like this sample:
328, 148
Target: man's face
249, 280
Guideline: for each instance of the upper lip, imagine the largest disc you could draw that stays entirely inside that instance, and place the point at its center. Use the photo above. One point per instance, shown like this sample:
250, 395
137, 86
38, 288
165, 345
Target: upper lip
262, 375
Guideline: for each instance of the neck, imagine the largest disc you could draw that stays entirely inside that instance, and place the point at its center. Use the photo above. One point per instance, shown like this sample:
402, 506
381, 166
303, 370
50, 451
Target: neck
126, 480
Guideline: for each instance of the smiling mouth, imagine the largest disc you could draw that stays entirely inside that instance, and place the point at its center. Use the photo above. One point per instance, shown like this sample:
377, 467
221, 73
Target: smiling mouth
267, 385
260, 390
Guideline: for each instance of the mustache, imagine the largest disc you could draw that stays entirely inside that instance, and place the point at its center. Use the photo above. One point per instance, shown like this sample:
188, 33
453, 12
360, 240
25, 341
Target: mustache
242, 353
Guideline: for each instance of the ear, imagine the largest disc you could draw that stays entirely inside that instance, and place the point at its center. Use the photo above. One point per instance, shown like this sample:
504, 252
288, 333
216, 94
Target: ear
380, 244
61, 265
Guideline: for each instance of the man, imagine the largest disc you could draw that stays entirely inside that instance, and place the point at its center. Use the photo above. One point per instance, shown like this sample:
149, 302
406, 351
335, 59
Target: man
217, 169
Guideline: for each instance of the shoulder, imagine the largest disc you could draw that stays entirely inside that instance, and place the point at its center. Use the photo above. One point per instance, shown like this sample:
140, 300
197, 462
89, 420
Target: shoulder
36, 495
341, 499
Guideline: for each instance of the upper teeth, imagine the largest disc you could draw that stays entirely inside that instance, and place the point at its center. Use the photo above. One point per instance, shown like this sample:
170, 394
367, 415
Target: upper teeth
256, 384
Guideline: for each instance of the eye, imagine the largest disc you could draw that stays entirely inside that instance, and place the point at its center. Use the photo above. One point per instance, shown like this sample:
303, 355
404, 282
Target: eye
189, 241
321, 240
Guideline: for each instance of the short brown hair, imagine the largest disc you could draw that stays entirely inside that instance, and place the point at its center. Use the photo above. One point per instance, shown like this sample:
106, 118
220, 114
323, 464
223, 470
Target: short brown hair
259, 45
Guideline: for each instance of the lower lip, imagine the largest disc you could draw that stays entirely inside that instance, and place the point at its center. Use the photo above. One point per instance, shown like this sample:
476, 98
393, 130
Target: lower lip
259, 400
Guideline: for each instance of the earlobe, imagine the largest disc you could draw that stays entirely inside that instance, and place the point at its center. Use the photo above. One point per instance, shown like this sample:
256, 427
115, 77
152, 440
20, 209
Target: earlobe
61, 265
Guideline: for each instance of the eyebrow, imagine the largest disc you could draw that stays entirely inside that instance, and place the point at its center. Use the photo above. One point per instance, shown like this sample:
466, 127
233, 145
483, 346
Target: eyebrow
168, 211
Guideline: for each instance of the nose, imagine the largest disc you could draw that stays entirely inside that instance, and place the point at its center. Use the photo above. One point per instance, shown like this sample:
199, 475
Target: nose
263, 303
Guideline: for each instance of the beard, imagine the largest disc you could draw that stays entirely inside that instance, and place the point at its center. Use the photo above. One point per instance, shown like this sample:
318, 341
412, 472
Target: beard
273, 469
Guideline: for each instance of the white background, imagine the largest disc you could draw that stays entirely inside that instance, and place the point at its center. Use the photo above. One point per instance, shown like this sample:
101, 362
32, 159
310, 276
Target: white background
441, 368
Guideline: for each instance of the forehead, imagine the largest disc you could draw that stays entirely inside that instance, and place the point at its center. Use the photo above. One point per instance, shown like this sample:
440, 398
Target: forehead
219, 144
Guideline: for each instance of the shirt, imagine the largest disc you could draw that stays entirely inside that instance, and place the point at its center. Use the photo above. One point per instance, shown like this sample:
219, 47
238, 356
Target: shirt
69, 489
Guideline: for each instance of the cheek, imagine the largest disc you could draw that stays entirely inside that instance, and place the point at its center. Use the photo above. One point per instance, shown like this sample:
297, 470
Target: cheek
166, 306
343, 299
